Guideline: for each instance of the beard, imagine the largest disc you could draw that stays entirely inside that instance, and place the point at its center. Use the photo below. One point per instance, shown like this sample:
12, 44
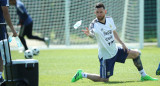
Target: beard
100, 18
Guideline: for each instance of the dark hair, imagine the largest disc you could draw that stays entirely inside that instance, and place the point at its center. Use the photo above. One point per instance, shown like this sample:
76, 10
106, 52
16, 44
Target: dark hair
99, 5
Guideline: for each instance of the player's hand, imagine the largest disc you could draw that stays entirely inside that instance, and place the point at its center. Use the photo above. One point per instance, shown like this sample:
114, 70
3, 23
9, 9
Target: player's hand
15, 34
125, 48
19, 25
86, 31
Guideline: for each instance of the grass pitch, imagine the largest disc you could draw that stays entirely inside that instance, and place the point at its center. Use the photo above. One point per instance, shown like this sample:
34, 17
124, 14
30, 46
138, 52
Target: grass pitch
57, 67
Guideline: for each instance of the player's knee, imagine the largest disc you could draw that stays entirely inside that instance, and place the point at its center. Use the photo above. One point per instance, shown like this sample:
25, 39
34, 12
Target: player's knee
136, 53
29, 36
20, 36
104, 80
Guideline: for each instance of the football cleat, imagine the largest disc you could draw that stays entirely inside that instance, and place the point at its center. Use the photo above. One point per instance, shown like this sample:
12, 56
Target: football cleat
148, 78
77, 76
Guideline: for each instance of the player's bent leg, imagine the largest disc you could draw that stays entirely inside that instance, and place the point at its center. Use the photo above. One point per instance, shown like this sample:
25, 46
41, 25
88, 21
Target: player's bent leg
97, 78
23, 42
35, 37
135, 55
93, 77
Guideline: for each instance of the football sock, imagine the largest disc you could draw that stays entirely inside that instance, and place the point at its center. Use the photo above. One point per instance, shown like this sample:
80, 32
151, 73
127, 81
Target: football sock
84, 75
138, 63
142, 72
23, 42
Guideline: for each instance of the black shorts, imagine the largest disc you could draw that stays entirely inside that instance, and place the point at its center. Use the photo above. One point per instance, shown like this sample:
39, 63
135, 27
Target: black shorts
26, 30
3, 34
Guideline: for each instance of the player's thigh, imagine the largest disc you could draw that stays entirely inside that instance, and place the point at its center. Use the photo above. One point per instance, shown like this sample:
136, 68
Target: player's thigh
22, 31
133, 54
29, 30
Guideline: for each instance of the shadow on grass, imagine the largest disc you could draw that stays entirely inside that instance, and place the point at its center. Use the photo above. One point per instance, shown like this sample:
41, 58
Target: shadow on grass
118, 82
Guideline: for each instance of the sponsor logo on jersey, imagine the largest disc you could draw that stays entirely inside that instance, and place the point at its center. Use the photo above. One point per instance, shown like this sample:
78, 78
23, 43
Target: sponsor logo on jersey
102, 29
110, 26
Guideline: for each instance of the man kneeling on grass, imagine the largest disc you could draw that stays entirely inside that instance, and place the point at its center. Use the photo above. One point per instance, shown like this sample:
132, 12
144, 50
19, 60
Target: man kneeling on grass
104, 29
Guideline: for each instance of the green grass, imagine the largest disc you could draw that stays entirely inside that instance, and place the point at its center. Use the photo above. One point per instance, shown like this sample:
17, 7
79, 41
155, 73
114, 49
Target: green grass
57, 67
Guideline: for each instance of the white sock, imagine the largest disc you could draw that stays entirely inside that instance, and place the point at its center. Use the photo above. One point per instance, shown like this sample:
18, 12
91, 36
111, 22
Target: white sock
0, 74
142, 72
84, 75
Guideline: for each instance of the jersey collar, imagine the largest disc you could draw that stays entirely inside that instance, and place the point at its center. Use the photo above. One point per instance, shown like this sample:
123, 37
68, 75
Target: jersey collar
101, 22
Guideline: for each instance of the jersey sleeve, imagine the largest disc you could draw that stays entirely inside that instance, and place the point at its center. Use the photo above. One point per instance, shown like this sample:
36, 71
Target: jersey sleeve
4, 2
91, 31
19, 7
112, 23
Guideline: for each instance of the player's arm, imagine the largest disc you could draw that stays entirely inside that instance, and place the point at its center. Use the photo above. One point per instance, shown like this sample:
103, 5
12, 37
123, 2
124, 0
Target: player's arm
8, 20
119, 40
88, 33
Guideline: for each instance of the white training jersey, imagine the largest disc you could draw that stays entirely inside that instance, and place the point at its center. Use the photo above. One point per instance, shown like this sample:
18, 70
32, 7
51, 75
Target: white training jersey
105, 37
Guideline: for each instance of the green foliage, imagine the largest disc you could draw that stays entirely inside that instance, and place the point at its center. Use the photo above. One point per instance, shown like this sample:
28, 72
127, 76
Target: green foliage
57, 67
150, 40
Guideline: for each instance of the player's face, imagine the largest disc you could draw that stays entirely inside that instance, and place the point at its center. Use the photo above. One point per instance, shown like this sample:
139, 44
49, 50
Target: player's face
100, 13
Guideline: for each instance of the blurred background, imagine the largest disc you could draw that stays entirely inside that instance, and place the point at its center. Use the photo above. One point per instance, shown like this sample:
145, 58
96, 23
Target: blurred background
136, 21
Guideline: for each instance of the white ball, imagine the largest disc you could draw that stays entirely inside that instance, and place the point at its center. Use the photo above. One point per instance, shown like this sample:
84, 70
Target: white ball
28, 54
35, 51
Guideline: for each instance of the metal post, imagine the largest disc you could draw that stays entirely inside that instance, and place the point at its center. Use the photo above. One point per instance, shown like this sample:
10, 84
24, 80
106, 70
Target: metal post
124, 21
141, 24
158, 22
67, 26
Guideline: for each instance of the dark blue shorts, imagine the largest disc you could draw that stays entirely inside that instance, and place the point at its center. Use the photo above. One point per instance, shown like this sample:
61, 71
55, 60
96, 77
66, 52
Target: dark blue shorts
3, 34
107, 65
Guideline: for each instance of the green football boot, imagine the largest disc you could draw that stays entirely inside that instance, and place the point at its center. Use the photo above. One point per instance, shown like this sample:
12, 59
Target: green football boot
148, 78
77, 76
